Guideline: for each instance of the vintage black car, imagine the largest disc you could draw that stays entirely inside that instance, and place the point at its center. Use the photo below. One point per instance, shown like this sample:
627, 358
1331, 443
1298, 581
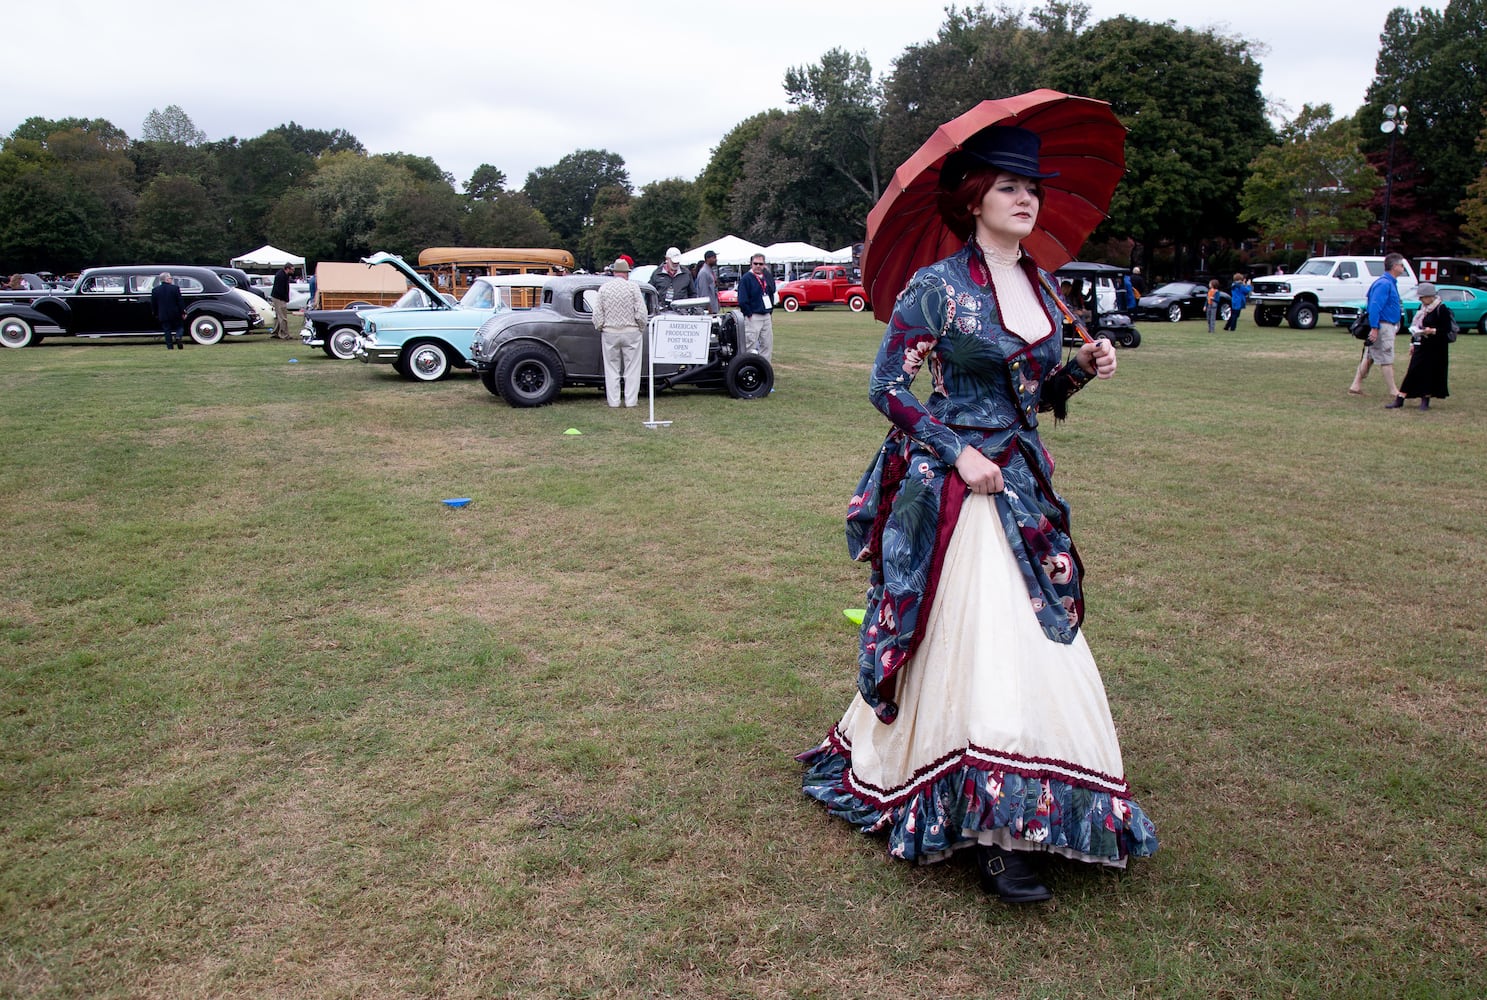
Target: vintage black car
527, 356
1178, 300
115, 302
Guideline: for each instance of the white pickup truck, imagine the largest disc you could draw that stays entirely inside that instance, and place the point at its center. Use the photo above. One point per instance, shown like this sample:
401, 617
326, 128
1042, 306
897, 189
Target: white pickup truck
1320, 285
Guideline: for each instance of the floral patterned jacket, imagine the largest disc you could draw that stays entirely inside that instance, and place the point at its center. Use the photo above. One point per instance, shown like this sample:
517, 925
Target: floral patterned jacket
986, 388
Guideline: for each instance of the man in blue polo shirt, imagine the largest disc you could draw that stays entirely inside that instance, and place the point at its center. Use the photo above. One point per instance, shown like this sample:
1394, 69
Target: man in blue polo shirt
1384, 314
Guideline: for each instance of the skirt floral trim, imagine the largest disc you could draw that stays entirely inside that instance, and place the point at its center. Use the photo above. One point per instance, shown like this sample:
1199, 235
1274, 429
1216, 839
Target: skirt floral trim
979, 799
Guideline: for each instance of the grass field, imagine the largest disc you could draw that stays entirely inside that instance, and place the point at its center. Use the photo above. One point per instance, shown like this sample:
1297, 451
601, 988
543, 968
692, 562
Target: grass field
277, 723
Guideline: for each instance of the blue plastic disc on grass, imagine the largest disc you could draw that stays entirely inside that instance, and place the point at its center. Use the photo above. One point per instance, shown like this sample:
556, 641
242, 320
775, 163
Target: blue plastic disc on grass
294, 361
457, 502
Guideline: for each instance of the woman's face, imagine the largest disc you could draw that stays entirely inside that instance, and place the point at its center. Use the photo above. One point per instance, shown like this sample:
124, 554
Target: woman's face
1009, 209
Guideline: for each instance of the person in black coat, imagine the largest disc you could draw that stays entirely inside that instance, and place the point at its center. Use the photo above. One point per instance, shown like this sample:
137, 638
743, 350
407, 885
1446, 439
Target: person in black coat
170, 310
1430, 353
278, 297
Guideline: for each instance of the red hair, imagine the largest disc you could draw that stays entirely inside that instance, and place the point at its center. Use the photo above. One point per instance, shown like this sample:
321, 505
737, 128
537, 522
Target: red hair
955, 203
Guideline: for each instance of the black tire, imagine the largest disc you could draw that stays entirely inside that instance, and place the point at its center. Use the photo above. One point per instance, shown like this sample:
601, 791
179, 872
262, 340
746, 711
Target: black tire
749, 376
790, 304
529, 375
1126, 336
1482, 326
856, 303
1267, 316
16, 332
488, 379
1302, 316
1174, 313
340, 343
206, 330
1135, 338
425, 361
1225, 312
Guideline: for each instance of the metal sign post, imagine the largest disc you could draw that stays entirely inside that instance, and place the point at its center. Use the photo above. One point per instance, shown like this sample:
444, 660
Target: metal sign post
674, 340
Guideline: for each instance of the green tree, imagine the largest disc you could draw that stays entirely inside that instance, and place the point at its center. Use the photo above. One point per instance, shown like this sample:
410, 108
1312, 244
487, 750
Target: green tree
485, 183
841, 116
978, 53
48, 223
175, 222
41, 129
564, 192
1473, 207
171, 125
1192, 103
784, 192
418, 215
252, 175
506, 219
1435, 64
1313, 185
420, 168
610, 233
724, 169
314, 141
664, 215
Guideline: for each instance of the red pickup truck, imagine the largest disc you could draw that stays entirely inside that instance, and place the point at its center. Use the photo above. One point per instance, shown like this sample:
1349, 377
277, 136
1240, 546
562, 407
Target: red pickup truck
827, 285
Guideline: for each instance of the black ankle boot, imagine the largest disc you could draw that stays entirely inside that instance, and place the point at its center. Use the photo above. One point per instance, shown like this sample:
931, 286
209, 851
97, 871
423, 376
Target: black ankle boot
1395, 403
1010, 875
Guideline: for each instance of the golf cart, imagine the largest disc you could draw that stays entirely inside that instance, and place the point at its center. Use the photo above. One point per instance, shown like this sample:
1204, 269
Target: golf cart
1094, 292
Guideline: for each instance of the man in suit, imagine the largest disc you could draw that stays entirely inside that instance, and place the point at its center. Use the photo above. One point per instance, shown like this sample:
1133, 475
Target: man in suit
170, 310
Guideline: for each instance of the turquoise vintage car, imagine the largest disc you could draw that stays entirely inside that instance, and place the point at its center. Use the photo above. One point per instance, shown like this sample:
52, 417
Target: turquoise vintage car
1468, 305
424, 343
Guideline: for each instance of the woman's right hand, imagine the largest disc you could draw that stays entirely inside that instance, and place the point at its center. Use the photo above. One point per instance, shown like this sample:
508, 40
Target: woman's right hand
981, 474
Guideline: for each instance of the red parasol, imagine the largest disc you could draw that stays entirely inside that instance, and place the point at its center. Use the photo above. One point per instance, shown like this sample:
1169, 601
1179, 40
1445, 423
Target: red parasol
1082, 139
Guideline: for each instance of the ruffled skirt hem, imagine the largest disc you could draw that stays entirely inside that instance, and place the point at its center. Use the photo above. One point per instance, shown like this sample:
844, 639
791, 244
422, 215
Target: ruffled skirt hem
975, 802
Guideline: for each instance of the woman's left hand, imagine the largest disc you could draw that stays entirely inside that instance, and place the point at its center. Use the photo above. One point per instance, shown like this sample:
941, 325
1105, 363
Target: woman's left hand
1097, 359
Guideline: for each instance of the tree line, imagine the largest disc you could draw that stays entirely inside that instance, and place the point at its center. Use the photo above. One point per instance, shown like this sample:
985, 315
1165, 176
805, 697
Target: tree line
1210, 183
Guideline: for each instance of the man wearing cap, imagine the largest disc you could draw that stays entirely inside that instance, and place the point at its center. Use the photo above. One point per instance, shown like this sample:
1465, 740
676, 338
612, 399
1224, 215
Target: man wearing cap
756, 301
671, 280
707, 281
620, 316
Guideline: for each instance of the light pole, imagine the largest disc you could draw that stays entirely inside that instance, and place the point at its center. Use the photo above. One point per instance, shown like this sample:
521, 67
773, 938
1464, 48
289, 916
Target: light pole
1395, 123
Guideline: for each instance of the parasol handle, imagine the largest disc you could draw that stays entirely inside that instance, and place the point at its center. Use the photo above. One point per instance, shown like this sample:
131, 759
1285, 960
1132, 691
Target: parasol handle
1063, 308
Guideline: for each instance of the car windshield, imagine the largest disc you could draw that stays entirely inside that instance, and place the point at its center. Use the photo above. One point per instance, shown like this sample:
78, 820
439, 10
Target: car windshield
1317, 267
1173, 289
413, 298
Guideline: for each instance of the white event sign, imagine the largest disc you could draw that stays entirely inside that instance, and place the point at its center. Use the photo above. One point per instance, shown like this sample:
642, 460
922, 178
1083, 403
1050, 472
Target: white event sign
680, 340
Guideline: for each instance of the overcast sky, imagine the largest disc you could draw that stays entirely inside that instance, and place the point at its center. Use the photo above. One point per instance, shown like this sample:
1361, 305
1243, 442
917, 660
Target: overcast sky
522, 84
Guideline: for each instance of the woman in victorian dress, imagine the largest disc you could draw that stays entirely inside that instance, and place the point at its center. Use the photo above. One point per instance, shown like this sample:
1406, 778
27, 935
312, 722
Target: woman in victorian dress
981, 719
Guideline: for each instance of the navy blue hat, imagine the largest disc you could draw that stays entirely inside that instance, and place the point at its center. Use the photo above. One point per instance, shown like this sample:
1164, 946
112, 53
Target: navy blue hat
1005, 147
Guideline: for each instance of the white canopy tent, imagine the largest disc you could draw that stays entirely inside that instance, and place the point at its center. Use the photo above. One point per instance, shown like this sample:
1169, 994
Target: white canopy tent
795, 252
268, 256
842, 256
730, 250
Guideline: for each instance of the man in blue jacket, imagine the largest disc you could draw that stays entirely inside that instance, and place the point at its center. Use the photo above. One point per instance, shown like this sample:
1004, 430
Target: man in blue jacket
1384, 314
756, 302
170, 310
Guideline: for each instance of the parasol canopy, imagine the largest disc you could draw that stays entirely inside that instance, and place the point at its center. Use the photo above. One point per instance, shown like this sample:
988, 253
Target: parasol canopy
1081, 139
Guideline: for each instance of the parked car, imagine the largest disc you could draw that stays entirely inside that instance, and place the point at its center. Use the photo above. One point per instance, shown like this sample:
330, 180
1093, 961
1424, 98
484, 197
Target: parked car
299, 291
1468, 305
1097, 285
115, 302
1176, 301
424, 343
827, 285
526, 358
334, 331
